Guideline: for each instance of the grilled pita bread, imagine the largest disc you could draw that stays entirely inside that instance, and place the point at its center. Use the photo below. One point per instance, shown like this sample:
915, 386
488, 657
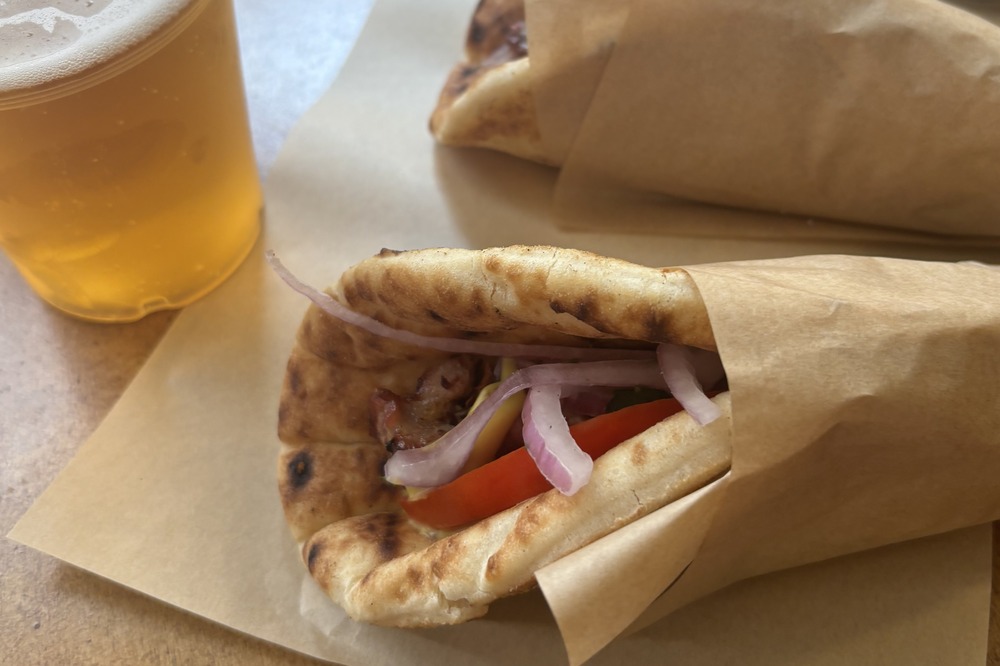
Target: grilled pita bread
356, 542
487, 101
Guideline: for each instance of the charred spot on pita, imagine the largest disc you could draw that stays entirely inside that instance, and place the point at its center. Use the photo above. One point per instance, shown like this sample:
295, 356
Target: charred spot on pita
388, 543
639, 454
477, 32
315, 548
655, 323
358, 291
294, 375
382, 530
583, 308
300, 470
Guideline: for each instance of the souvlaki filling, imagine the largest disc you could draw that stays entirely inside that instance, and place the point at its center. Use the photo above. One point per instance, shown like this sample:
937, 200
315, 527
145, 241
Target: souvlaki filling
491, 398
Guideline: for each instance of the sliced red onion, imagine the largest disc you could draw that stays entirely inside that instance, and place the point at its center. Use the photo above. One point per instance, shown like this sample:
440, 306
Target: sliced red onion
677, 363
548, 440
442, 461
335, 308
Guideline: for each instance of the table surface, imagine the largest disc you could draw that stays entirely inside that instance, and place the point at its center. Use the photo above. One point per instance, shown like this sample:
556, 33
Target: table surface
59, 377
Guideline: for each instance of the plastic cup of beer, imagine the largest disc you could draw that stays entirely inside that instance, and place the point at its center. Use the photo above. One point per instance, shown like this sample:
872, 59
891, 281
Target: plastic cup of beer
127, 177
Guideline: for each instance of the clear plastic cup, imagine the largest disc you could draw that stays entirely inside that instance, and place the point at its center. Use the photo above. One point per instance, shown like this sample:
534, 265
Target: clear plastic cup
127, 177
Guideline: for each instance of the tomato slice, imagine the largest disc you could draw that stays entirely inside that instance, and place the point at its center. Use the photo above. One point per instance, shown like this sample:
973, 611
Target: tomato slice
513, 478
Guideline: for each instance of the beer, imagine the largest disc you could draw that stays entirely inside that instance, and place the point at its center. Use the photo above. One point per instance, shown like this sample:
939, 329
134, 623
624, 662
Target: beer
127, 177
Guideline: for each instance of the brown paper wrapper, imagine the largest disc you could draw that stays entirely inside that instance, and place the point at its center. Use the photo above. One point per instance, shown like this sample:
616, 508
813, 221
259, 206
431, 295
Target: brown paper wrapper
777, 120
864, 413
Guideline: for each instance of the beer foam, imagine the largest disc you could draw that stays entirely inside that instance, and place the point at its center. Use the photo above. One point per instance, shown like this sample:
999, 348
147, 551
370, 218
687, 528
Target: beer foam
43, 42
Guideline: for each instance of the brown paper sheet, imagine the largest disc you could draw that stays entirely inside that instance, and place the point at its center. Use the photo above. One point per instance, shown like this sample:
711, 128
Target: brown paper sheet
193, 517
589, 618
864, 413
846, 120
564, 79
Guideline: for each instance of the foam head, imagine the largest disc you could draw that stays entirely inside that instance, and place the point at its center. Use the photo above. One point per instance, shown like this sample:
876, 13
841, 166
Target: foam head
43, 42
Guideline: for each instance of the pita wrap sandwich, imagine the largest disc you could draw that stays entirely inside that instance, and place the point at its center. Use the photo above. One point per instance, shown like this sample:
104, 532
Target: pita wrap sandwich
662, 115
454, 420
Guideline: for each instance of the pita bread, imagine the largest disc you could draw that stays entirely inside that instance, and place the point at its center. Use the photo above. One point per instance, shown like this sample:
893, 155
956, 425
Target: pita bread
487, 101
356, 542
